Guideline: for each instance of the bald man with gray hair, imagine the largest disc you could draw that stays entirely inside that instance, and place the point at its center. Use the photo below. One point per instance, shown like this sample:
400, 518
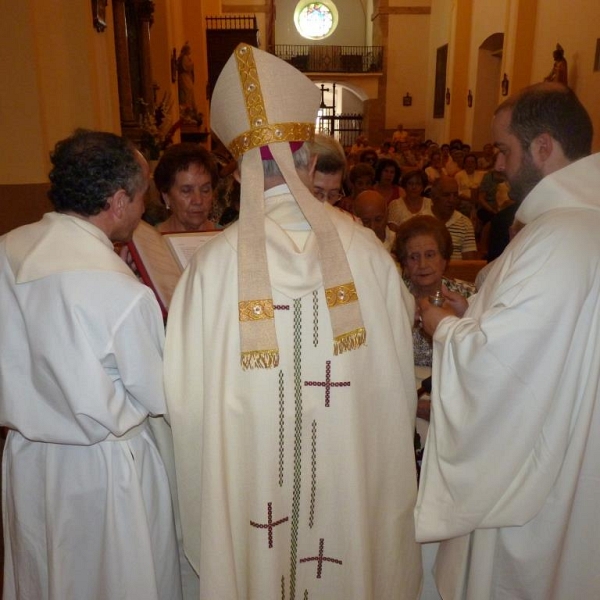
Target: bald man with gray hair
372, 209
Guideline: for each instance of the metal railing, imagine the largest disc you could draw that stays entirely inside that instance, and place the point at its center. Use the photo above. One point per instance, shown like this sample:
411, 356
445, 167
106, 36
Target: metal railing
332, 59
345, 127
232, 22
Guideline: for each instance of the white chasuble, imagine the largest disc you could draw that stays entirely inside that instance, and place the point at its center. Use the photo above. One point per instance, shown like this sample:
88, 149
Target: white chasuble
296, 482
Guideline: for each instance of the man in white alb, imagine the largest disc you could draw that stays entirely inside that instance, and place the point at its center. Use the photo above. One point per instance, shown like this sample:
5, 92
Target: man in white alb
510, 475
86, 502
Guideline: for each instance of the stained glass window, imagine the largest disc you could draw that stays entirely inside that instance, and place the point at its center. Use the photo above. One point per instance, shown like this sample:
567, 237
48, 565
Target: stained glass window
315, 20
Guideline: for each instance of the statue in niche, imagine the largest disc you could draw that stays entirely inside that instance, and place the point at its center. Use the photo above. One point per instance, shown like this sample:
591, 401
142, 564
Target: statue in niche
559, 71
185, 72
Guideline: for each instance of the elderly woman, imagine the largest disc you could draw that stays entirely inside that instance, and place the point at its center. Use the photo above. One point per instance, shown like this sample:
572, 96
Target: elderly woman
185, 177
423, 248
413, 204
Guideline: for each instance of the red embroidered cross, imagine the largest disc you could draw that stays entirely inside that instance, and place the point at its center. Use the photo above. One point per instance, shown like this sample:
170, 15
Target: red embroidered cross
327, 384
269, 524
321, 559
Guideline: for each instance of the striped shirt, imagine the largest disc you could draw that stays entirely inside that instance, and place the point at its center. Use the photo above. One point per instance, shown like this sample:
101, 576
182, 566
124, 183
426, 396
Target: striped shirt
462, 233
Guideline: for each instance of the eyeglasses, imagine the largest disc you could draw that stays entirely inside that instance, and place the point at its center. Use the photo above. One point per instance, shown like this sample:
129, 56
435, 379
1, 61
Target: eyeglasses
332, 196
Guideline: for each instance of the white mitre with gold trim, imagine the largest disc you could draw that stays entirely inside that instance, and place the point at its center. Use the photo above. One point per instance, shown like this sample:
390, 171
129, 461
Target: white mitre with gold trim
262, 107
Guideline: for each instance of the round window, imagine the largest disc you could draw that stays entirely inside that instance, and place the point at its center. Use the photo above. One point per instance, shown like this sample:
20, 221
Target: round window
316, 20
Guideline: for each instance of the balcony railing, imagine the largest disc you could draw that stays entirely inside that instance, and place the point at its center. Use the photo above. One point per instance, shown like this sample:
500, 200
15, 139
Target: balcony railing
332, 59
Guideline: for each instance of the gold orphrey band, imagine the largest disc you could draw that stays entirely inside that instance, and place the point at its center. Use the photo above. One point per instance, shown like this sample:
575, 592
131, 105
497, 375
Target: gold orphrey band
341, 294
261, 132
255, 310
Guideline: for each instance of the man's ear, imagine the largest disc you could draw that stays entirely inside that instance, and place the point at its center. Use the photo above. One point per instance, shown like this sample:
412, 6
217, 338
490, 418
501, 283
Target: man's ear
117, 202
542, 149
547, 154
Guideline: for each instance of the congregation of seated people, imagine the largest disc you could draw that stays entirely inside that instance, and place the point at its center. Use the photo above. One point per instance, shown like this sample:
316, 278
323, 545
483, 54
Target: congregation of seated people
447, 181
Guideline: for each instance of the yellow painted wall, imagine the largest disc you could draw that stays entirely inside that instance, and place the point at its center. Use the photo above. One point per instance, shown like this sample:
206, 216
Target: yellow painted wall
406, 70
531, 28
439, 35
576, 26
459, 60
58, 73
484, 71
519, 42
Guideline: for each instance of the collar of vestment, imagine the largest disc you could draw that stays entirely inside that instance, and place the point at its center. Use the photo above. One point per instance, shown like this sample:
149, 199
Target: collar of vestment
293, 272
60, 243
573, 186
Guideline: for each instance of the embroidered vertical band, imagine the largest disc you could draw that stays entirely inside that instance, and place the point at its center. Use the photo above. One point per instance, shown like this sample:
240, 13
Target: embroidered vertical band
262, 103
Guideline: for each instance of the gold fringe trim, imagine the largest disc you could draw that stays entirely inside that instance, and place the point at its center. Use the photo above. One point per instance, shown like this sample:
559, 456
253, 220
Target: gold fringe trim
349, 341
260, 359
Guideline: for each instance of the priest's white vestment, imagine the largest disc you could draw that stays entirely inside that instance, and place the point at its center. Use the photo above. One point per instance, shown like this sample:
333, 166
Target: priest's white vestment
512, 462
296, 481
87, 510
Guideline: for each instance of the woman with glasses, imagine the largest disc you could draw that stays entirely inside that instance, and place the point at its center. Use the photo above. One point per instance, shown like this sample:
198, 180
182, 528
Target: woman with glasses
185, 177
329, 173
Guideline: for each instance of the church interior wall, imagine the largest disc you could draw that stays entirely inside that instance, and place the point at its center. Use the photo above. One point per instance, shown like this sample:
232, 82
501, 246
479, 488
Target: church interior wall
519, 42
484, 71
439, 35
486, 97
193, 29
351, 103
62, 73
458, 64
576, 27
58, 74
166, 34
408, 33
368, 10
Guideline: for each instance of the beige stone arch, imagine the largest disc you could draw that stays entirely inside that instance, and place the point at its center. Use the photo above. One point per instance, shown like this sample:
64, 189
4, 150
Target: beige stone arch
351, 98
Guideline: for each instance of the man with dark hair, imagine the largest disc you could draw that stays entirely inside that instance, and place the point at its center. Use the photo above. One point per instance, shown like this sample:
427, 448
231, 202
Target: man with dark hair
87, 507
360, 178
551, 109
510, 478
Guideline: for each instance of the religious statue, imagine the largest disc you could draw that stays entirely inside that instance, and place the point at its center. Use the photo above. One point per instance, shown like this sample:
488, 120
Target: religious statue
559, 68
185, 71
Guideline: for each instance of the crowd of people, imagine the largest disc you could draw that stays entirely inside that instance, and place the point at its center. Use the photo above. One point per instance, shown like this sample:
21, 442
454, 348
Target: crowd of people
406, 174
288, 372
